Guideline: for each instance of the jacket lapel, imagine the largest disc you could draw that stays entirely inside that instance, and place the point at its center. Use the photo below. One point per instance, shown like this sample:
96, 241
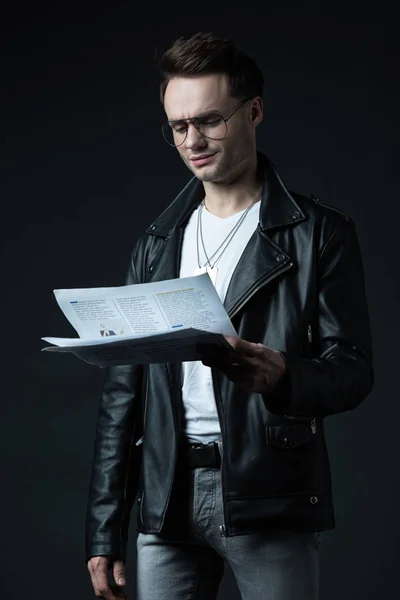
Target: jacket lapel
169, 229
263, 260
260, 263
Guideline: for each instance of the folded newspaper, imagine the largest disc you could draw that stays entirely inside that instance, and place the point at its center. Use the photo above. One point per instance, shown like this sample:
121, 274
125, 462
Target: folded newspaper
163, 321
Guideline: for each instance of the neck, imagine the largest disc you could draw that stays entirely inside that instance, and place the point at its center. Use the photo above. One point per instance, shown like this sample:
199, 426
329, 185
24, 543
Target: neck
226, 199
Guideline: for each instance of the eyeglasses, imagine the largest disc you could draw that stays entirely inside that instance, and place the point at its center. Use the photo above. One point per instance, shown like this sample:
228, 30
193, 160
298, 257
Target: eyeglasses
211, 126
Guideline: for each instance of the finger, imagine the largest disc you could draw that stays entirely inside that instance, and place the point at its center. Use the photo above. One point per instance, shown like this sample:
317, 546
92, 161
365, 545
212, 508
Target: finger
244, 348
217, 363
105, 592
232, 358
214, 351
236, 373
228, 355
119, 572
100, 583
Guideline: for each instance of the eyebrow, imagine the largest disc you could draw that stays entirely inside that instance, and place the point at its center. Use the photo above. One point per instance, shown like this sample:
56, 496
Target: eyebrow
200, 116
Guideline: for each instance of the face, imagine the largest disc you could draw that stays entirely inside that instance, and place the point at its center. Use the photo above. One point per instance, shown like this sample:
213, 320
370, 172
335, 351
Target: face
219, 161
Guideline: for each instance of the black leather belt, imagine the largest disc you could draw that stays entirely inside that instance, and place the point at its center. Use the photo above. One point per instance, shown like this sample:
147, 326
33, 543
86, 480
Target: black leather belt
203, 455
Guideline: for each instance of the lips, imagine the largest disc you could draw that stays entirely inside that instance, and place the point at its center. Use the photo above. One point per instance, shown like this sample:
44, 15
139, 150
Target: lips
203, 159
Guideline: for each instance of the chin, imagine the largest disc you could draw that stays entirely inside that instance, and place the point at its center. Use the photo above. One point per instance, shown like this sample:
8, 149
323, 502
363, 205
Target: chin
202, 173
215, 177
203, 176
212, 173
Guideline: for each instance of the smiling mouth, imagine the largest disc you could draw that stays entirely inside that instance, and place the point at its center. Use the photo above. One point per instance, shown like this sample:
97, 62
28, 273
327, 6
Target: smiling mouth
200, 160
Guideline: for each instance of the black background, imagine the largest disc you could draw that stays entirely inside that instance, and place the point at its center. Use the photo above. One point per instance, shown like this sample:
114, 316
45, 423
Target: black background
84, 169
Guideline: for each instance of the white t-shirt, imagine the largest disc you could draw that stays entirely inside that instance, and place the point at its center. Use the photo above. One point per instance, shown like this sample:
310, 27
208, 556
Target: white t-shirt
201, 417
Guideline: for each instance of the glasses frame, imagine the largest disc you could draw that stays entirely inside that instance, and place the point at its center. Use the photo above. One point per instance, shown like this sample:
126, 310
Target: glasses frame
193, 121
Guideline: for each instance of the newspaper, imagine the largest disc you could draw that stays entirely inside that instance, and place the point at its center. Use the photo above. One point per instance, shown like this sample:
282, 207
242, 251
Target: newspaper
162, 321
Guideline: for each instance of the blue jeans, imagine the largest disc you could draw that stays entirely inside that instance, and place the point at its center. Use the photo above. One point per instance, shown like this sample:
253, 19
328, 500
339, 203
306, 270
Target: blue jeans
267, 565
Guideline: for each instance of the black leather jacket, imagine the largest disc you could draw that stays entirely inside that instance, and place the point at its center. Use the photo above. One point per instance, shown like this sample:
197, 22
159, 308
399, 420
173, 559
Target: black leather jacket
298, 288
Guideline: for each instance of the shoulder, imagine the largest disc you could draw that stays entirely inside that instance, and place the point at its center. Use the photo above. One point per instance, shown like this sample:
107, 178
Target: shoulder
323, 213
329, 226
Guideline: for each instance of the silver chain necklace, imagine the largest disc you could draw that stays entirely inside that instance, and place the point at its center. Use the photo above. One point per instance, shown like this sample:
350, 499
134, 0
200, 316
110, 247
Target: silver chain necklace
208, 267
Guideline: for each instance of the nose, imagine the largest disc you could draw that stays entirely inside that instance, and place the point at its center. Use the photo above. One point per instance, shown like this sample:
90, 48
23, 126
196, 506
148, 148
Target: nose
194, 139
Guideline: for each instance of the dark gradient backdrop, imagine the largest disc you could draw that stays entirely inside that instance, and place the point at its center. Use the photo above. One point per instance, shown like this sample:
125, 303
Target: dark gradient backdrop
84, 169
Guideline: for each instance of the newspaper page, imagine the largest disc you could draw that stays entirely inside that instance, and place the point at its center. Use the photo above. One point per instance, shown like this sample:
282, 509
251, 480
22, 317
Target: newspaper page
161, 321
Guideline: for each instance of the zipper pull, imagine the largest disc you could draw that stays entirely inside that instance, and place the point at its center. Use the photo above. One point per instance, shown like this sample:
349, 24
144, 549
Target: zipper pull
140, 441
309, 333
313, 426
222, 530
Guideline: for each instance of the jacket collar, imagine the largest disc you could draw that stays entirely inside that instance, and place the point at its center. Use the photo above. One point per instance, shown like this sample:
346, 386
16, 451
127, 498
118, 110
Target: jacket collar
278, 207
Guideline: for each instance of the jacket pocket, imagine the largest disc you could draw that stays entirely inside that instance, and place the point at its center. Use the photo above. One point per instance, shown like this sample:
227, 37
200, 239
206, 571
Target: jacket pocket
310, 421
289, 437
291, 463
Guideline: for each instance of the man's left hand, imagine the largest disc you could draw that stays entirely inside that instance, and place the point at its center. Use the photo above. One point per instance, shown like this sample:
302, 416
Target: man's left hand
253, 367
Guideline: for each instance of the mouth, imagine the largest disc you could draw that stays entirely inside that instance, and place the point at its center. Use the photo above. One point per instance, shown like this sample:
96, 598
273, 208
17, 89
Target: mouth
203, 159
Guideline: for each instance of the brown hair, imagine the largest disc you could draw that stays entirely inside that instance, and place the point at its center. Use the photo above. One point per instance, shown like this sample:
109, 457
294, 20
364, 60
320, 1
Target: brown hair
204, 54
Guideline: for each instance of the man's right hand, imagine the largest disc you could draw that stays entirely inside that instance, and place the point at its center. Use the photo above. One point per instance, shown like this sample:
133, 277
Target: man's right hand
98, 568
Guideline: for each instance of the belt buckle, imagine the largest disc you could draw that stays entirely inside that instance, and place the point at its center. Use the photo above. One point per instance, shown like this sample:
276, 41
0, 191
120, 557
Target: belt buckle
196, 453
204, 455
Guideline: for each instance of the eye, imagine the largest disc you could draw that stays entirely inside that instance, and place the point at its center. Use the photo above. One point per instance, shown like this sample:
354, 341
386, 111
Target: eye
179, 127
210, 121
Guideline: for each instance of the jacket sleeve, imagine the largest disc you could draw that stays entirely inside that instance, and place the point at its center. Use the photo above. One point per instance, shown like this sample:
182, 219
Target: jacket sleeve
340, 376
116, 462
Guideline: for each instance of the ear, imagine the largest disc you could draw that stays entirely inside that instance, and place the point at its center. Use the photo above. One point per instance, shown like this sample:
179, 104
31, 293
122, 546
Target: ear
256, 113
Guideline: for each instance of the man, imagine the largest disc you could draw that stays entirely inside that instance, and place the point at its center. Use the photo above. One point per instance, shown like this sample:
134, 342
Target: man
227, 455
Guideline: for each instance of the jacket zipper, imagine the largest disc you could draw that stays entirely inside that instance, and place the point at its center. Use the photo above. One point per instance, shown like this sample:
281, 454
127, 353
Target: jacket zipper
222, 528
140, 441
312, 421
141, 508
145, 403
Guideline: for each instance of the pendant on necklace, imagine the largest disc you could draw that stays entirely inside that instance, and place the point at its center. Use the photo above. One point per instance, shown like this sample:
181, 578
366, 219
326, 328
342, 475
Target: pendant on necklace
212, 272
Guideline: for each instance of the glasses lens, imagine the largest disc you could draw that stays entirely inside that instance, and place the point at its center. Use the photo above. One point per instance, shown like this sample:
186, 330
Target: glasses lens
212, 126
174, 134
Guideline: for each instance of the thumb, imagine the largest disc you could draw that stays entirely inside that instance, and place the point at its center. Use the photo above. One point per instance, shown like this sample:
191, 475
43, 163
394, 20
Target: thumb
119, 572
